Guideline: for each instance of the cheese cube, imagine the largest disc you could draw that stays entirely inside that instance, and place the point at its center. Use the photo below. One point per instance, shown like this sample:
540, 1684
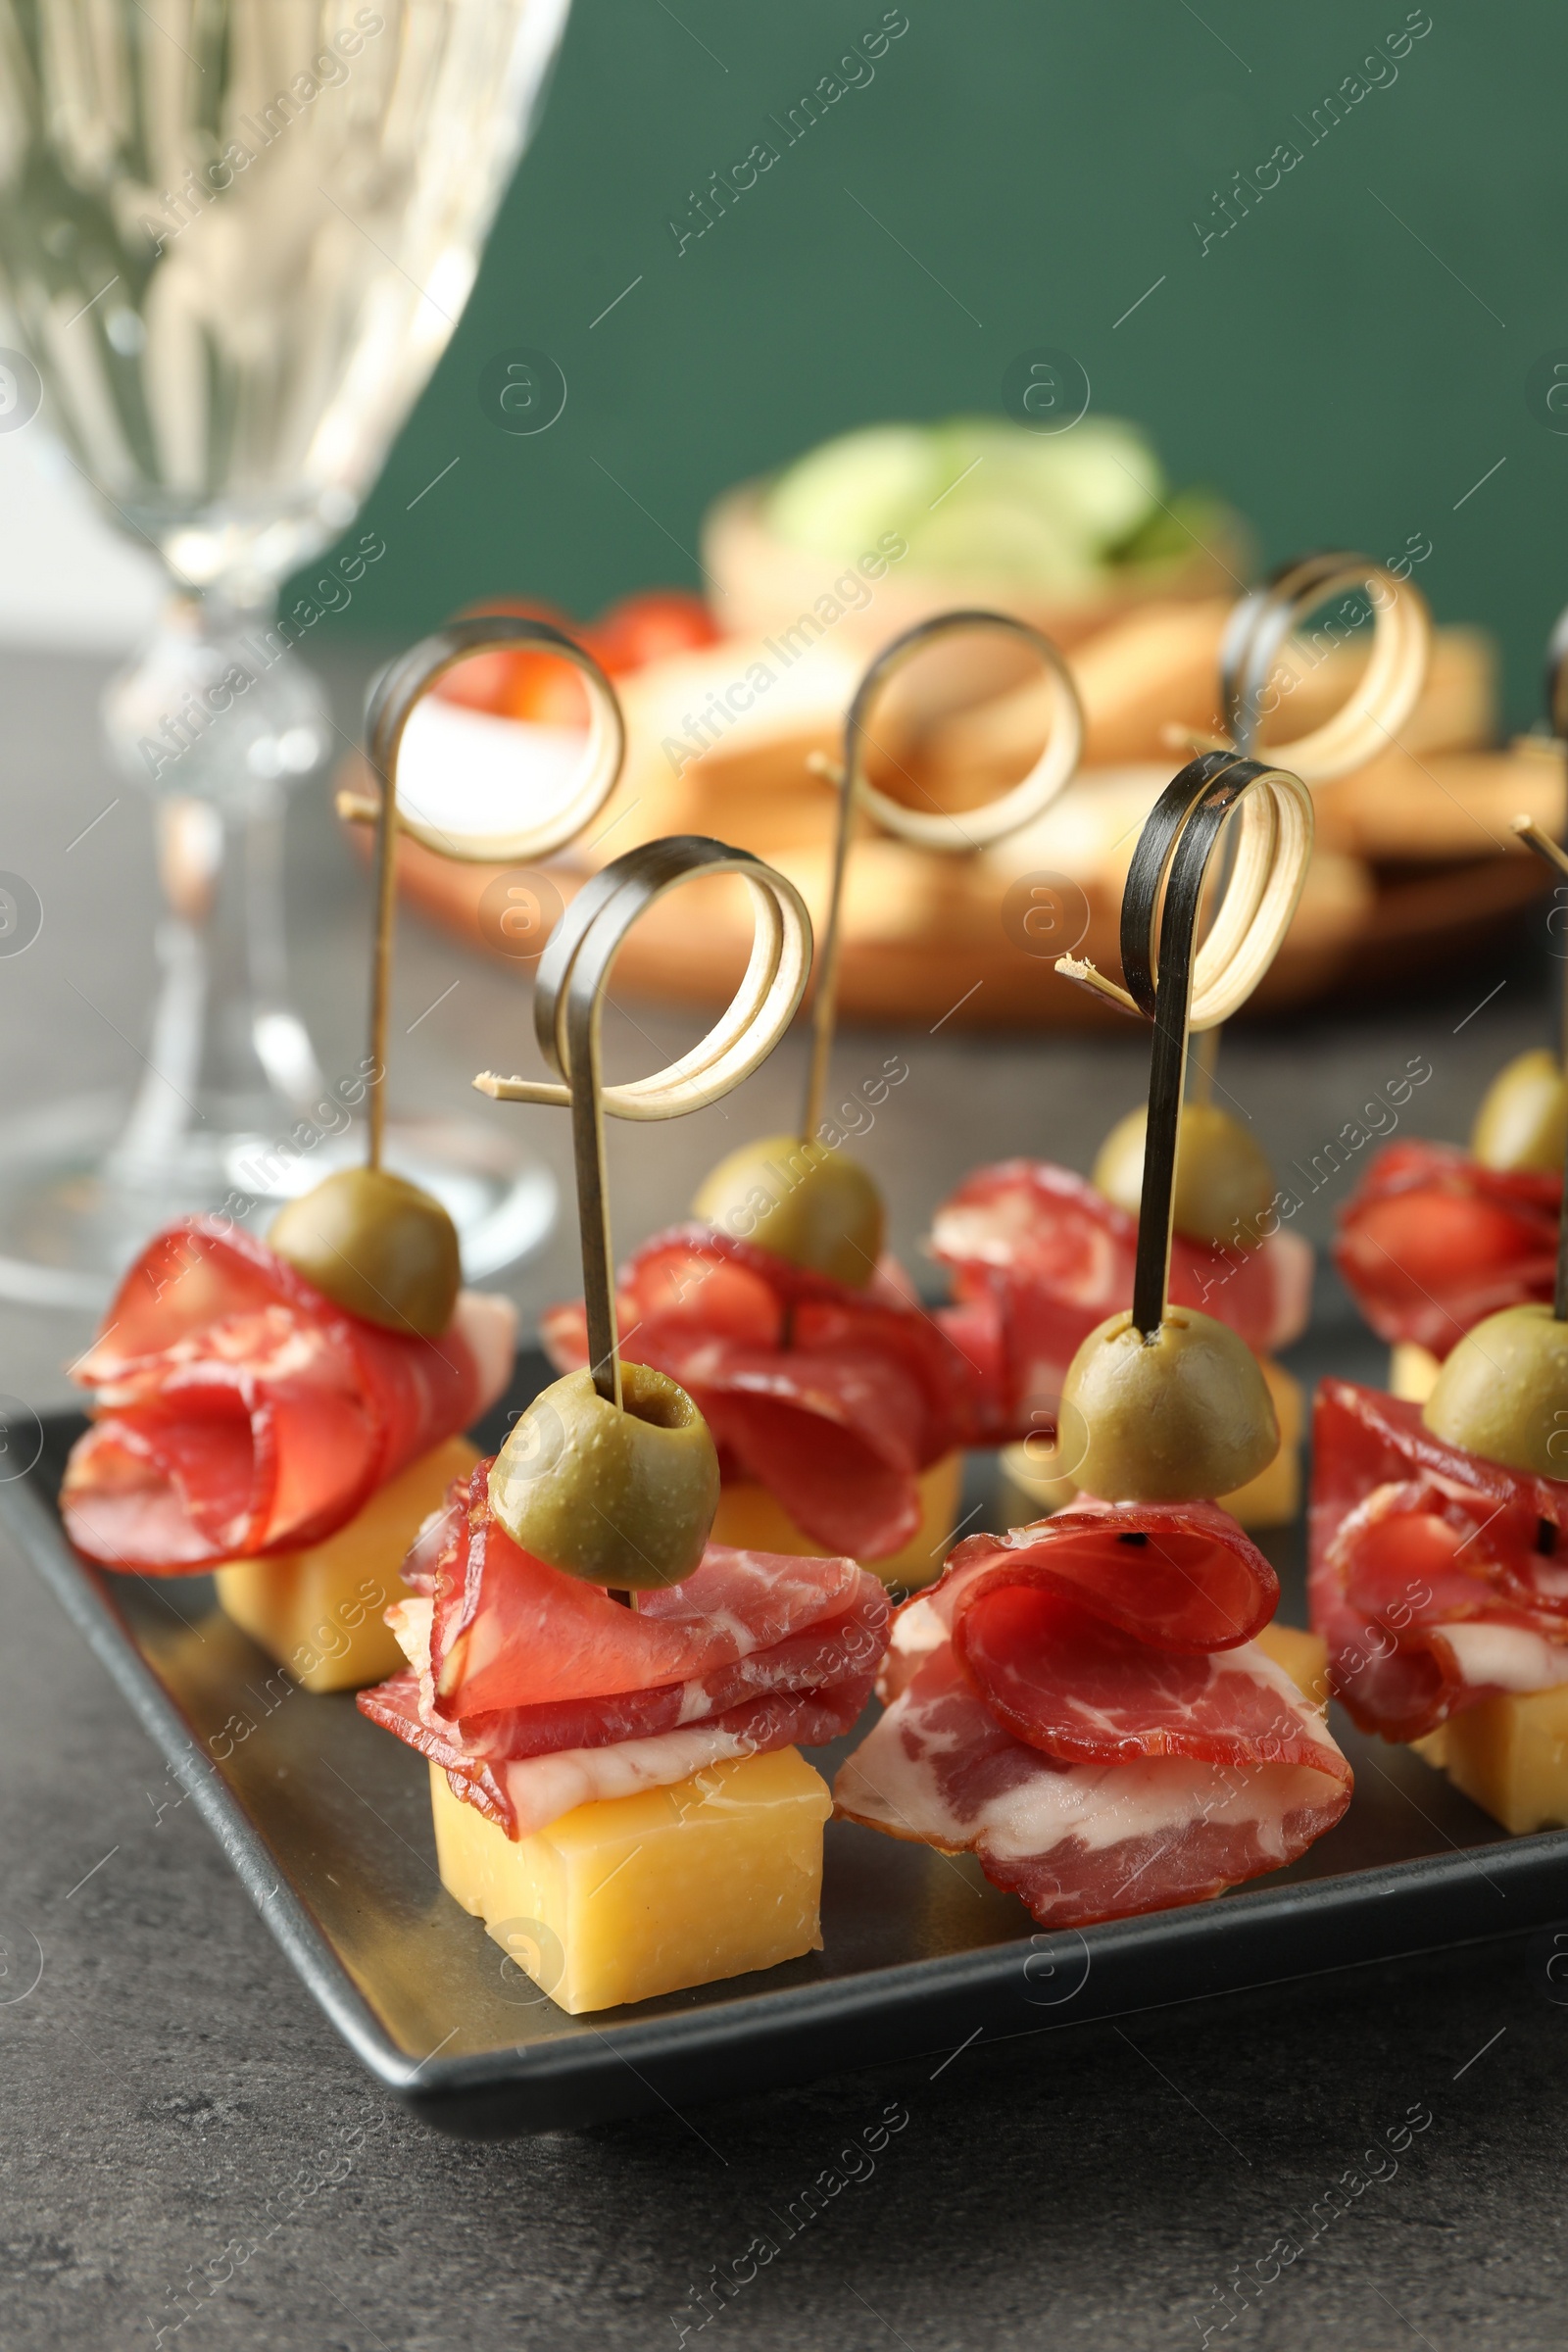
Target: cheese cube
1412, 1372
319, 1611
650, 1893
1508, 1753
1032, 1490
753, 1519
1305, 1657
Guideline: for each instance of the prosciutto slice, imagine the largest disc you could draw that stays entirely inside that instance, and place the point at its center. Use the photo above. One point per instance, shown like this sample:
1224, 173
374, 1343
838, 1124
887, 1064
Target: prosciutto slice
1431, 1243
1039, 1257
1438, 1578
240, 1412
1082, 1705
536, 1692
834, 1399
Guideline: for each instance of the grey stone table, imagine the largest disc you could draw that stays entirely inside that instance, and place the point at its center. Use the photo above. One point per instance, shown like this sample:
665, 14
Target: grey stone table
168, 2096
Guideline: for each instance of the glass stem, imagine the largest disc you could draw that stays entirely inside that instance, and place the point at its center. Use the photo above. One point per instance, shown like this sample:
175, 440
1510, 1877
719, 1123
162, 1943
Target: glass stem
218, 718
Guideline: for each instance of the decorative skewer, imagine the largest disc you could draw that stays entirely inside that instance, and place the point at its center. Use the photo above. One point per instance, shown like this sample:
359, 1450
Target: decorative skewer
569, 1000
376, 1244
1260, 626
1181, 987
1522, 1123
1556, 860
934, 829
1169, 1403
390, 705
1557, 716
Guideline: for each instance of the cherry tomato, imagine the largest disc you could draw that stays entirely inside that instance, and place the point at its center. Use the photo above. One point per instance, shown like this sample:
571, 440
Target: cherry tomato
542, 687
651, 625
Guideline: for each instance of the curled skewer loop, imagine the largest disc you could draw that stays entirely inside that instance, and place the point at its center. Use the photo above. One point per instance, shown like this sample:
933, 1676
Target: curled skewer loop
1557, 677
568, 997
389, 706
1181, 987
1556, 860
931, 829
1387, 690
1557, 719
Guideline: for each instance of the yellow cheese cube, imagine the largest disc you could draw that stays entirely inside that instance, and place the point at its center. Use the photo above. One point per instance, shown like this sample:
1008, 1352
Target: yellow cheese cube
753, 1519
1509, 1753
1412, 1372
1305, 1657
1032, 1490
650, 1893
319, 1611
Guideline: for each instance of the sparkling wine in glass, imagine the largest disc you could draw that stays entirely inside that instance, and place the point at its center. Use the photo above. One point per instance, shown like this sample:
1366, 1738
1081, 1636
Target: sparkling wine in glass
237, 236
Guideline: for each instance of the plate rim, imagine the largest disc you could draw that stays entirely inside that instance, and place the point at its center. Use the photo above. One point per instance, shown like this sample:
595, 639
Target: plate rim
452, 2090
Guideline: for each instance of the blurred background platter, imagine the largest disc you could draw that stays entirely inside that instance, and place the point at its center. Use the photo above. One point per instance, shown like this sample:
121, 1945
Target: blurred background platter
1416, 861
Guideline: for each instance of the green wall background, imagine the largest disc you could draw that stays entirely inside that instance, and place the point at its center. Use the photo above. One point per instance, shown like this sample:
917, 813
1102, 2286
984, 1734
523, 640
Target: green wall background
1344, 375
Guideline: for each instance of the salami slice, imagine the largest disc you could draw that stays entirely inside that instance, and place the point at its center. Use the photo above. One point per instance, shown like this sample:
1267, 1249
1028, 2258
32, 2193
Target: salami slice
1438, 1578
536, 1692
1039, 1257
1083, 1705
834, 1399
1431, 1243
240, 1412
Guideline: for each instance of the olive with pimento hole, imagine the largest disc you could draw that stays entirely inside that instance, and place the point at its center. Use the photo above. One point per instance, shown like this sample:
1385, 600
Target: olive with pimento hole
622, 1495
1179, 1414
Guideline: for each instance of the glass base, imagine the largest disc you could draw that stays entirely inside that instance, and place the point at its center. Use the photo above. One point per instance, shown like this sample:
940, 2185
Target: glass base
68, 1229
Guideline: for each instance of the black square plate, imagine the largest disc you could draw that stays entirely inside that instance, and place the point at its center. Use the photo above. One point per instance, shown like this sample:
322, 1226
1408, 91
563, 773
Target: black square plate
327, 1820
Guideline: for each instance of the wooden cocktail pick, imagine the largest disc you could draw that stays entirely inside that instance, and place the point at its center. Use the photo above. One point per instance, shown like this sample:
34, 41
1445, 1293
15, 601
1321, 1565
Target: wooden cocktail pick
930, 829
378, 1246
568, 998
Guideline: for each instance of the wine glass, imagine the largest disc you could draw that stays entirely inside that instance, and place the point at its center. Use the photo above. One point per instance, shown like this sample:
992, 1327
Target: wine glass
237, 236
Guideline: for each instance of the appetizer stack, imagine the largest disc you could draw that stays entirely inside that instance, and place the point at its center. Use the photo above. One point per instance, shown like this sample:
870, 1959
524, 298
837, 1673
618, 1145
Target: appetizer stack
1087, 1704
610, 1643
840, 1405
608, 1698
1439, 1509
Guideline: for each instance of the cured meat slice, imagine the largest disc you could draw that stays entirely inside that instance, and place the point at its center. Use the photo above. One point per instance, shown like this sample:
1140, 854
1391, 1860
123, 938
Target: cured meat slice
536, 1692
527, 1794
510, 1633
240, 1412
1039, 1257
1083, 1706
1438, 1578
1431, 1243
1081, 1843
836, 1399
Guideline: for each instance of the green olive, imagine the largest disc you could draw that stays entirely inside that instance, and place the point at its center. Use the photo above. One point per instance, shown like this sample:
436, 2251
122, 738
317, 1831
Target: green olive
1503, 1391
619, 1498
1178, 1417
1523, 1120
805, 1202
1224, 1185
377, 1245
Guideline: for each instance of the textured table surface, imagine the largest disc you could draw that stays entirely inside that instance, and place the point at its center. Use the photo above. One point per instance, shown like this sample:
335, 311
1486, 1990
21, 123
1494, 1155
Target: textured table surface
178, 2120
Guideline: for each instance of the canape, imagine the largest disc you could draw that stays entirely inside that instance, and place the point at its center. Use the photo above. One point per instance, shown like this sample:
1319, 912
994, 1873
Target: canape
1087, 1704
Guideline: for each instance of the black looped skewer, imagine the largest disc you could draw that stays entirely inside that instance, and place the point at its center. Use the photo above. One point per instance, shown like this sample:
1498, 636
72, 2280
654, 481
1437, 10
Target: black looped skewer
1161, 909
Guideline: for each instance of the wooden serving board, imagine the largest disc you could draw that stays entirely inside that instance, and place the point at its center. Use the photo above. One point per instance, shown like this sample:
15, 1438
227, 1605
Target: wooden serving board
1415, 863
691, 949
